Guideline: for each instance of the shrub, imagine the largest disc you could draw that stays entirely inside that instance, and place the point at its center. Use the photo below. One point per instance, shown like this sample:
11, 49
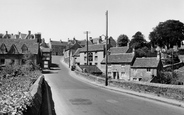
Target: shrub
15, 82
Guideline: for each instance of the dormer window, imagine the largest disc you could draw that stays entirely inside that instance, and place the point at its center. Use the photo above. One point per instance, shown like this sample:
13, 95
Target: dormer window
13, 50
3, 49
24, 49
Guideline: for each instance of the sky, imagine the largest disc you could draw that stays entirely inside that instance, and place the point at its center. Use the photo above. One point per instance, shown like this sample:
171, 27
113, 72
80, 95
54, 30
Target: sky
63, 19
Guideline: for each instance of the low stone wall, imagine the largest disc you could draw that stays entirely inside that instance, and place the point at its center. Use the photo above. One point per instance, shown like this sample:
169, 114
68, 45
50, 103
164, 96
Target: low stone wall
169, 91
36, 91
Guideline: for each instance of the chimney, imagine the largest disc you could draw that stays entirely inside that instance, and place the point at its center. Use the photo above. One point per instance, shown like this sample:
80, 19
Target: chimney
6, 32
29, 32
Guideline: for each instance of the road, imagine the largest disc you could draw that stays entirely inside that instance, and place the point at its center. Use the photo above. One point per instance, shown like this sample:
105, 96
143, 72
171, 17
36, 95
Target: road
74, 97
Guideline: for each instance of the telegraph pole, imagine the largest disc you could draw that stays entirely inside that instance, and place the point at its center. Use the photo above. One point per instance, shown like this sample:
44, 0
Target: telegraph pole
106, 62
87, 32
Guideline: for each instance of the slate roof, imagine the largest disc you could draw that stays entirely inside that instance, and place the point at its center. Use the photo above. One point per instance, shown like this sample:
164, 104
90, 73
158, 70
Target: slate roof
91, 68
77, 53
115, 50
151, 62
44, 49
84, 42
58, 43
93, 48
126, 58
32, 45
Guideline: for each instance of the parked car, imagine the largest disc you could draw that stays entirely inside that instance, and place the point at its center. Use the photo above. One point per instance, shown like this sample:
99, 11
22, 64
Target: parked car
73, 68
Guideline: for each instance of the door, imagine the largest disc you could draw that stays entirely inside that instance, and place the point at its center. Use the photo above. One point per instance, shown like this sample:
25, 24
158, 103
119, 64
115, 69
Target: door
114, 75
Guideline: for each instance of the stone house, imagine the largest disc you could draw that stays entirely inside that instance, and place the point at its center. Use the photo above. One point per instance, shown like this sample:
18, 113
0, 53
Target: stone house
119, 65
57, 47
12, 51
144, 69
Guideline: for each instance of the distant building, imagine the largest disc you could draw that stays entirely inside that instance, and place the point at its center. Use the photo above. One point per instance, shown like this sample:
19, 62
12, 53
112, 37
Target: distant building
46, 55
57, 47
96, 54
119, 65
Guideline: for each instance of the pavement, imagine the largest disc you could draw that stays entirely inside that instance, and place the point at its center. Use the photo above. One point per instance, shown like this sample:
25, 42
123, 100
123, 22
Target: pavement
128, 92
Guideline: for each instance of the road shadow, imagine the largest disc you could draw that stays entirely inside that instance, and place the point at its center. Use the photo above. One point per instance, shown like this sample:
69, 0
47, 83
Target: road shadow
47, 107
48, 72
54, 65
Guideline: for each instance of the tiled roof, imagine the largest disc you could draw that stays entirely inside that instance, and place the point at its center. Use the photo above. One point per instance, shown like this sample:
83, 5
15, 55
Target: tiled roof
84, 42
91, 68
115, 50
125, 58
96, 40
95, 47
151, 62
43, 49
58, 43
73, 46
32, 45
76, 54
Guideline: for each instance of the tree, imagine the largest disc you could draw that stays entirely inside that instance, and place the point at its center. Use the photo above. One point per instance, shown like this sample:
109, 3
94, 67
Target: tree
168, 33
137, 40
122, 40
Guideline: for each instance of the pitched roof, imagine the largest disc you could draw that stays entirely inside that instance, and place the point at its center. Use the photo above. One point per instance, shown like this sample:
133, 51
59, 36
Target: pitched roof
94, 47
115, 50
32, 45
58, 43
125, 58
77, 52
84, 42
151, 62
90, 68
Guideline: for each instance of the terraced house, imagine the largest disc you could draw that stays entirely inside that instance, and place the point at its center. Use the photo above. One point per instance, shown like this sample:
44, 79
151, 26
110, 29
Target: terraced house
12, 51
96, 54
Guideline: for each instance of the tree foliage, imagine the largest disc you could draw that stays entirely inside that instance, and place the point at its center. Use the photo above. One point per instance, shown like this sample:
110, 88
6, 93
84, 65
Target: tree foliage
137, 40
122, 40
168, 33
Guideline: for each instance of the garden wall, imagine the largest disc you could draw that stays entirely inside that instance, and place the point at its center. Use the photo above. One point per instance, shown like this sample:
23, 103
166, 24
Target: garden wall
169, 91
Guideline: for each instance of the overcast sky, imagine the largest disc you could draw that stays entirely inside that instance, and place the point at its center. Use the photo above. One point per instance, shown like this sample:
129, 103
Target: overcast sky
63, 19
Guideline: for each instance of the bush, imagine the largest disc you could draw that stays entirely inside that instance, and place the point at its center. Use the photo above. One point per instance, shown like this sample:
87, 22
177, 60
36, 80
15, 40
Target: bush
15, 82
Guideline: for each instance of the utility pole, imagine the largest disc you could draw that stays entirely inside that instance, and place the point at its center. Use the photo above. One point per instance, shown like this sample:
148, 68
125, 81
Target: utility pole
87, 32
106, 62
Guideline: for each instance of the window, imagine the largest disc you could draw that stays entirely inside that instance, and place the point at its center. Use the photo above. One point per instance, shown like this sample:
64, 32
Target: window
96, 63
90, 63
96, 52
24, 49
2, 61
90, 56
122, 65
96, 58
85, 58
148, 69
122, 73
85, 63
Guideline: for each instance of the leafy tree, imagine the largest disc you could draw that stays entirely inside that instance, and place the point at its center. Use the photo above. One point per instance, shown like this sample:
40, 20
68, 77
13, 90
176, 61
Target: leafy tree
168, 33
137, 40
122, 40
